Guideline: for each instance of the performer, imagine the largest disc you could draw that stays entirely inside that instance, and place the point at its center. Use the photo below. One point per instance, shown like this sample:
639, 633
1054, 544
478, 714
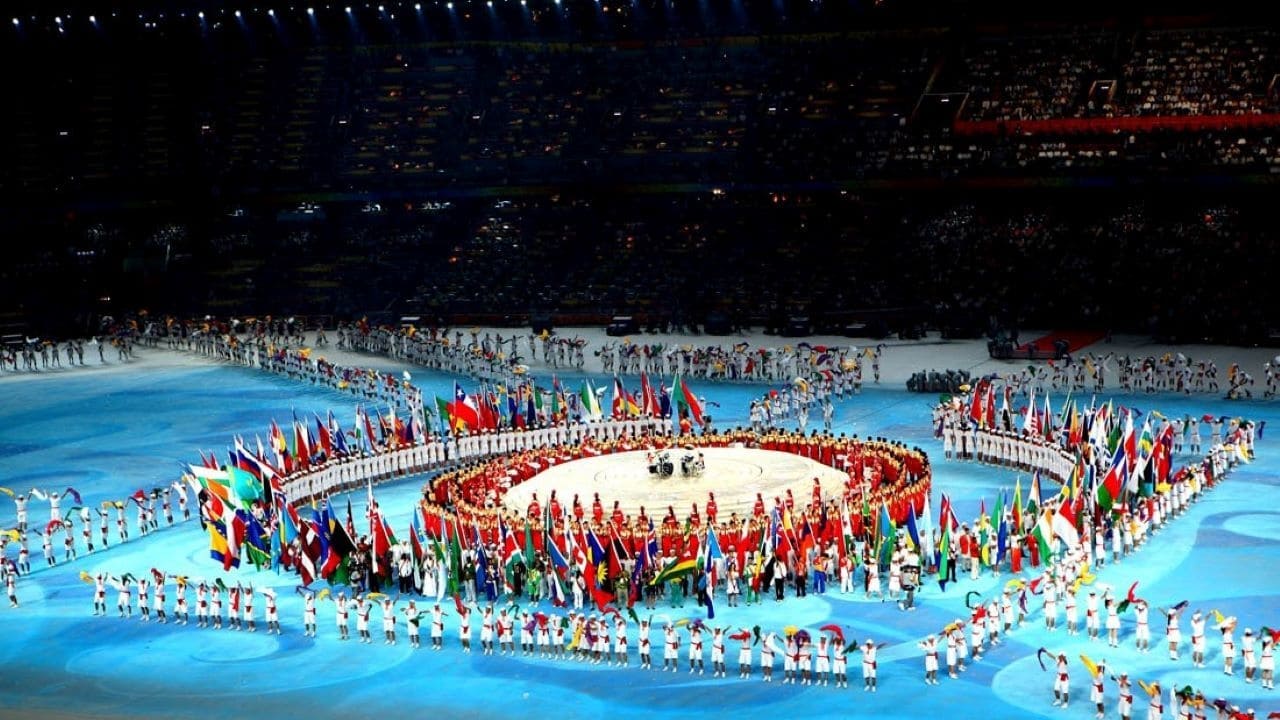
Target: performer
790, 658
215, 597
822, 661
486, 630
526, 633
869, 666
506, 638
414, 623
202, 605
464, 627
1113, 623
160, 600
124, 596
1097, 688
309, 614
1069, 605
767, 650
1267, 664
620, 643
1142, 631
363, 608
839, 663
805, 663
671, 648
273, 611
249, 620
233, 610
1228, 647
1250, 659
543, 632
744, 654
1124, 696
389, 621
930, 647
1197, 639
180, 602
1155, 702
717, 652
1061, 682
144, 599
643, 643
695, 648
1172, 633
99, 594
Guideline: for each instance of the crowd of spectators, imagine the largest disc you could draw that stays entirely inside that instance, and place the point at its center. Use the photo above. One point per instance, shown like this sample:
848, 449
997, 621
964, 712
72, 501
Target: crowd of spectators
1181, 267
756, 177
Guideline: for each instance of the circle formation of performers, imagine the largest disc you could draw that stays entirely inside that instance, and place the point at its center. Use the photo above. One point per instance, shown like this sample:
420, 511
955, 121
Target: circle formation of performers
879, 472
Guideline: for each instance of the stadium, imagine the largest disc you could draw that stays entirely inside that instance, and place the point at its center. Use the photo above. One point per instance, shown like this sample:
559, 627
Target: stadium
927, 343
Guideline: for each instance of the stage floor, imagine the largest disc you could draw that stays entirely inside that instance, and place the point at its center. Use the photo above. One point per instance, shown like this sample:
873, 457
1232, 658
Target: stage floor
109, 433
734, 474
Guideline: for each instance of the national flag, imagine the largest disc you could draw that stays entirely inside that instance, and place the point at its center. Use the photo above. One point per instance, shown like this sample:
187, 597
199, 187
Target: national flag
1065, 523
509, 548
1028, 420
912, 533
302, 442
1108, 491
976, 413
1034, 496
713, 551
1043, 533
530, 405
674, 570
415, 541
1047, 424
1017, 504
926, 529
557, 403
219, 548
216, 482
309, 553
442, 412
649, 406
686, 401
1163, 454
886, 535
946, 514
624, 405
944, 556
337, 437
591, 574
557, 558
595, 550
245, 486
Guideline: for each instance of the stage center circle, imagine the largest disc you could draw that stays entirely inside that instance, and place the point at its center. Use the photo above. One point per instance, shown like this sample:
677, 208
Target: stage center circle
734, 474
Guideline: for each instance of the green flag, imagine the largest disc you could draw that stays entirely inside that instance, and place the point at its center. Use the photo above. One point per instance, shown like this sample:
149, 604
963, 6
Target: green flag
944, 555
887, 533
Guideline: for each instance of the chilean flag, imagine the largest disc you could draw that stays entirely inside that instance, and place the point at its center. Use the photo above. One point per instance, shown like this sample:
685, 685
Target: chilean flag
463, 409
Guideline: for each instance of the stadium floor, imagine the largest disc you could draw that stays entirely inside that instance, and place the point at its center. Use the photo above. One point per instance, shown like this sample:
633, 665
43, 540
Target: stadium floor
109, 432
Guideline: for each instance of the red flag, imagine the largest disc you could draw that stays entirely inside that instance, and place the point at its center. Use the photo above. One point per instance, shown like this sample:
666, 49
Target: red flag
975, 408
649, 405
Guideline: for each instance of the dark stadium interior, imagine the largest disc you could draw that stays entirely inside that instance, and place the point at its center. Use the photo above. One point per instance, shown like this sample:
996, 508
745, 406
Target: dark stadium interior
920, 166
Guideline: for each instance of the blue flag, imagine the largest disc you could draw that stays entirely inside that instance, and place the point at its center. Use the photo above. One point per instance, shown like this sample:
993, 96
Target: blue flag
713, 545
911, 528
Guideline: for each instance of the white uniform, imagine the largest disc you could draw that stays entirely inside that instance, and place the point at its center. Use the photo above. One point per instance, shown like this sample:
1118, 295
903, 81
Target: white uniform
930, 647
1062, 681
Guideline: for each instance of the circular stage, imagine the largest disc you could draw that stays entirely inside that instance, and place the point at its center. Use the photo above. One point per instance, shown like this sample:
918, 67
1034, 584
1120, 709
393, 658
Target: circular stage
735, 475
